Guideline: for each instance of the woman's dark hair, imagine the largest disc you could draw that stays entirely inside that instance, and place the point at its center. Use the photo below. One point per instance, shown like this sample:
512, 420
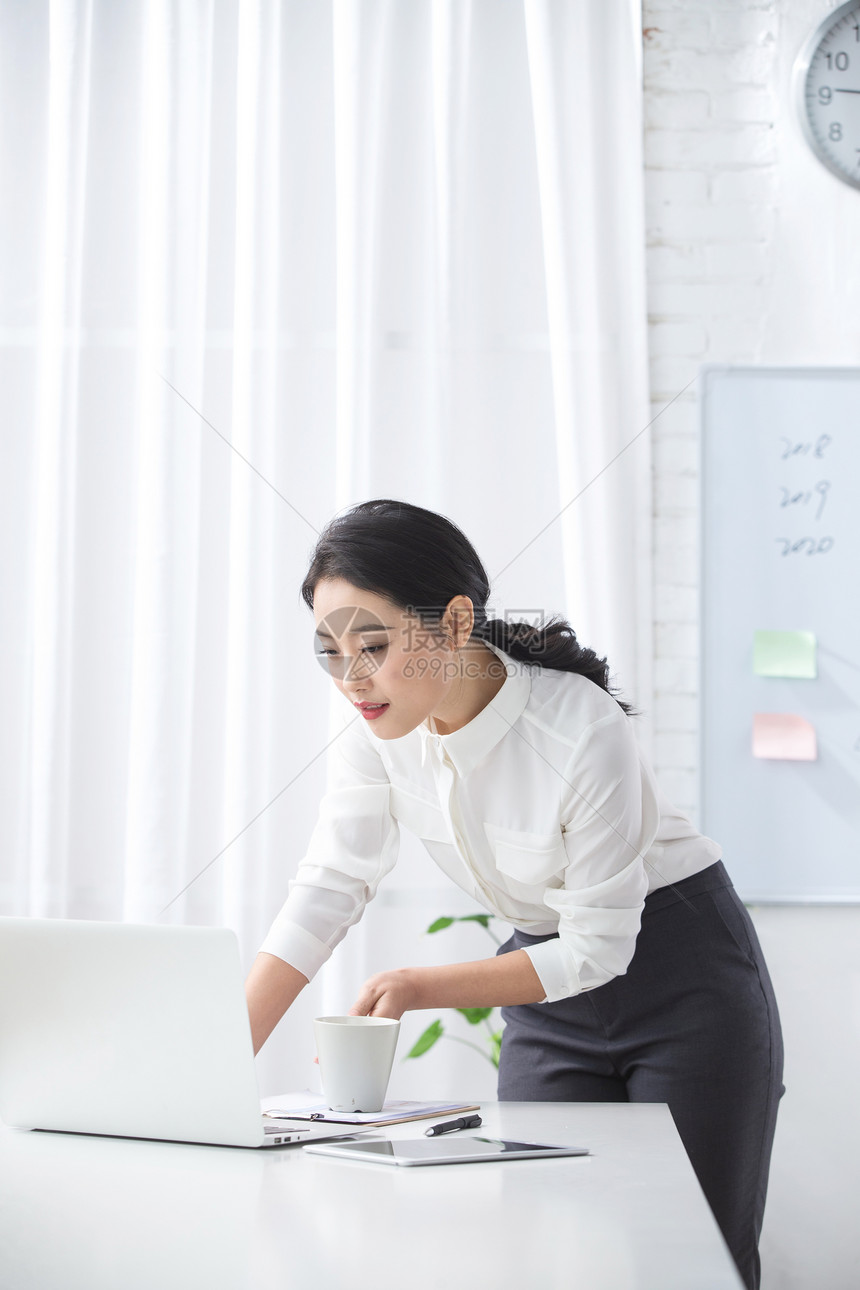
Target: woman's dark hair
420, 560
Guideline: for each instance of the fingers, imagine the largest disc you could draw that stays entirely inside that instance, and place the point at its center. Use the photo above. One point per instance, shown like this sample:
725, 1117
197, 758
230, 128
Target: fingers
383, 995
374, 1003
363, 1006
369, 998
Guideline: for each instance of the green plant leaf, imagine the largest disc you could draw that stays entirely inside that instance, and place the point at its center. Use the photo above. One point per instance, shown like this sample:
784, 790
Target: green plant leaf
439, 925
483, 919
474, 1015
426, 1041
496, 1046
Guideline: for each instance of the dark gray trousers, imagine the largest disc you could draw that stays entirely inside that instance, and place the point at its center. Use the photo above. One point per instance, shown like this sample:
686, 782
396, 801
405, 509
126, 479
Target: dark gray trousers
693, 1023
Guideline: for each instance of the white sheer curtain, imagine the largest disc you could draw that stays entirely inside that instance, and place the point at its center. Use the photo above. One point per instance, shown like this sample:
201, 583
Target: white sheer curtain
260, 260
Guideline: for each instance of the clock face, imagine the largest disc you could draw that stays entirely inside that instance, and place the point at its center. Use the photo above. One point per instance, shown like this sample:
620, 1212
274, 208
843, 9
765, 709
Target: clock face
827, 86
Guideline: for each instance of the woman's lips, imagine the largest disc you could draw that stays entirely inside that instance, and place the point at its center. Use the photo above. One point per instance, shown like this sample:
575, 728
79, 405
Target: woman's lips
370, 711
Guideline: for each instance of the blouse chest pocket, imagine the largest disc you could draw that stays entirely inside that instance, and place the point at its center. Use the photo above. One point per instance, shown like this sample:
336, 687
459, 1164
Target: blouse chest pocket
420, 817
532, 859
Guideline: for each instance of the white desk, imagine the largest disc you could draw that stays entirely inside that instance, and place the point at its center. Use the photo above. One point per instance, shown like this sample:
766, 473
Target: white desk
80, 1213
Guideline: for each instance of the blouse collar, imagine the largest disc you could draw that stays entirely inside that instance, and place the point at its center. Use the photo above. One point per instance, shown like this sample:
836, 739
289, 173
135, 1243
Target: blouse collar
469, 745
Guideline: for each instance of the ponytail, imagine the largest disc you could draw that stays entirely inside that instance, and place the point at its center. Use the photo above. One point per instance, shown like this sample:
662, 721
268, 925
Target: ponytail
553, 645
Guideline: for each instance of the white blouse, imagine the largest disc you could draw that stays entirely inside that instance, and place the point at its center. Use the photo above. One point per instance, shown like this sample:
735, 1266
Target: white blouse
541, 808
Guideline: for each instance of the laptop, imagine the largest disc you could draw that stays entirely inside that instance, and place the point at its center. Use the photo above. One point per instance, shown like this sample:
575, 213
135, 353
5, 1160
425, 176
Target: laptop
131, 1031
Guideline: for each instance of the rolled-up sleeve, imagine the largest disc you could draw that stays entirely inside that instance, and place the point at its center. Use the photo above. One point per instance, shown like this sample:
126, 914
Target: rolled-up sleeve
353, 846
610, 818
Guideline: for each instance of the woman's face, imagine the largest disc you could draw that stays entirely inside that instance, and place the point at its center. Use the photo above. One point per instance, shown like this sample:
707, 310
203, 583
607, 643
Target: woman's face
395, 671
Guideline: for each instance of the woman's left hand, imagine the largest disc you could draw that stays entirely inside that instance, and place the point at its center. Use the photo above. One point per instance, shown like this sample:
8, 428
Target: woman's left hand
387, 994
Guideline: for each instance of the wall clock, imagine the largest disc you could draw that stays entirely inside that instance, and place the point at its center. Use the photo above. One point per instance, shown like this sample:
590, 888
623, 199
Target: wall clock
827, 91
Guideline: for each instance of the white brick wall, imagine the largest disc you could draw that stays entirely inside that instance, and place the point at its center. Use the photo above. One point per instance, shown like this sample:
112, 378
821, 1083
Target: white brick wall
753, 258
711, 206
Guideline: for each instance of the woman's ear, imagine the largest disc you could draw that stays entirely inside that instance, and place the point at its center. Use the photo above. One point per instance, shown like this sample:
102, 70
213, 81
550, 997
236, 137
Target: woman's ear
458, 620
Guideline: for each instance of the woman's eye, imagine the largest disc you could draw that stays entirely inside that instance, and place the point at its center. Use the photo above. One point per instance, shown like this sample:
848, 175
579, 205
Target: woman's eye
372, 649
326, 653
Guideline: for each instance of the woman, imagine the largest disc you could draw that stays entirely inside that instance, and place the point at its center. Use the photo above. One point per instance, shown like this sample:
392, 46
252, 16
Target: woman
634, 972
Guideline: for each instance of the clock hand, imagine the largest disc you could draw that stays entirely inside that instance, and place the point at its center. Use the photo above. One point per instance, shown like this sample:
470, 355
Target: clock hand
839, 91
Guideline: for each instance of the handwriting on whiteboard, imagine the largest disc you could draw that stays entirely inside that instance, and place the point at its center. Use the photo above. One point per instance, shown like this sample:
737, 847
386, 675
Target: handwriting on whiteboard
816, 447
806, 545
806, 497
817, 495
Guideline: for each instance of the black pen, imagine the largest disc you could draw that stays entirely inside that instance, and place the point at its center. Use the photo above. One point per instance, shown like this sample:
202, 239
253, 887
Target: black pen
451, 1126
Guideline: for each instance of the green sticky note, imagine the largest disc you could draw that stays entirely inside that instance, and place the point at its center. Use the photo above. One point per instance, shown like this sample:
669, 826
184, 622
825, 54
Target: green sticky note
789, 654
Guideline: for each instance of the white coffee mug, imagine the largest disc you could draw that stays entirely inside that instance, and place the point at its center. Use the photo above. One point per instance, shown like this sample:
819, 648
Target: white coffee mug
355, 1055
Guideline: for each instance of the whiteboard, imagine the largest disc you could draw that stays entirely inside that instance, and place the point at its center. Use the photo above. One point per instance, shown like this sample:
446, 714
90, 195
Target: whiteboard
780, 552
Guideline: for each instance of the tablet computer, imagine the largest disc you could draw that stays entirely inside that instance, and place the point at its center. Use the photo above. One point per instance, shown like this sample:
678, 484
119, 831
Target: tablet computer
453, 1150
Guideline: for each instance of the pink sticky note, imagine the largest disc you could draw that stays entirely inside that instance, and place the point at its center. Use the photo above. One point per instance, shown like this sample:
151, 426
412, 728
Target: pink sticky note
783, 736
